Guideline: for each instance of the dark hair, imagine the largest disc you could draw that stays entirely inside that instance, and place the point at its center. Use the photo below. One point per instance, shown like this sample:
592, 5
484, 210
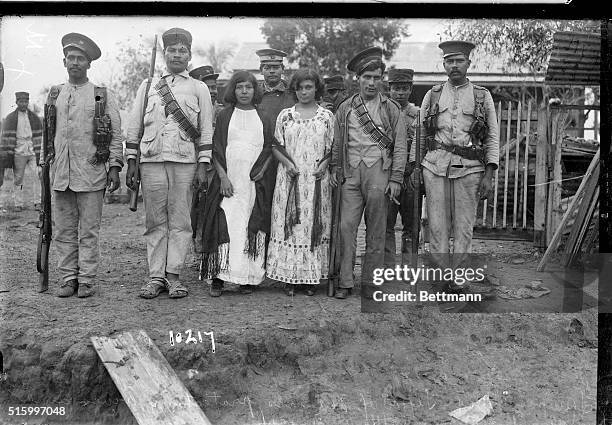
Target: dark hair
373, 67
237, 78
305, 74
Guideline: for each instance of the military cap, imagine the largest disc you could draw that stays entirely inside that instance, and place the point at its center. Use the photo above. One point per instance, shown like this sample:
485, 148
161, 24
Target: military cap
22, 95
455, 47
334, 82
83, 43
176, 35
365, 58
202, 73
400, 75
270, 55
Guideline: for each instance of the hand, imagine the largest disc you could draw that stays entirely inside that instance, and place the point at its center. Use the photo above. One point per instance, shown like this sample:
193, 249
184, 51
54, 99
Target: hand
393, 190
320, 171
227, 189
486, 187
200, 178
416, 174
130, 176
112, 179
292, 170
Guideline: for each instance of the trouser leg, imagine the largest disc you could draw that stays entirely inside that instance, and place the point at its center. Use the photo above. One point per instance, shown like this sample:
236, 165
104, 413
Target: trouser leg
66, 223
352, 210
154, 180
438, 215
89, 206
180, 194
21, 161
465, 194
392, 210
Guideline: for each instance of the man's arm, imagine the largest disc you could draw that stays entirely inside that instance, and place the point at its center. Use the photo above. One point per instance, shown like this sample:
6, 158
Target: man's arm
491, 143
400, 149
204, 145
116, 144
134, 123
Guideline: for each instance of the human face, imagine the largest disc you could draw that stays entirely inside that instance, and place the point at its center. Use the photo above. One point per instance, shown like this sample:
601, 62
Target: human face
456, 67
244, 93
177, 57
333, 94
76, 63
306, 92
272, 73
212, 88
22, 104
369, 83
400, 92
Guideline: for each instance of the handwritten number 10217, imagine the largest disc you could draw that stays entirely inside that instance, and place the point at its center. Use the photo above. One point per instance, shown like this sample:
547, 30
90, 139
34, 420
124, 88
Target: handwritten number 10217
189, 338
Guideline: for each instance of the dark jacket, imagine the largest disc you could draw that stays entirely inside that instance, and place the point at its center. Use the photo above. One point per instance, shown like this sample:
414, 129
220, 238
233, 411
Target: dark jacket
8, 140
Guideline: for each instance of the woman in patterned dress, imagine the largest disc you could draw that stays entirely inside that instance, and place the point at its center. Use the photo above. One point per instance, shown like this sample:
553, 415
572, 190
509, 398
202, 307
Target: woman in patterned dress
301, 206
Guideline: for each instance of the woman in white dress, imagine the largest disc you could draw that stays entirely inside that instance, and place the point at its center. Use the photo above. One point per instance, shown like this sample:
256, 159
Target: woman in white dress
232, 224
301, 206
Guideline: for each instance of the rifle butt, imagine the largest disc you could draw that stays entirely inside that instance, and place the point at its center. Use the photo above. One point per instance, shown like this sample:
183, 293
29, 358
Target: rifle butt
134, 199
43, 281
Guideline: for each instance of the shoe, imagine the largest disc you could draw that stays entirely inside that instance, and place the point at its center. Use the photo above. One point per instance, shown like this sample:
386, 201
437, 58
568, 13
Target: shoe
68, 288
216, 288
289, 289
86, 290
342, 293
246, 289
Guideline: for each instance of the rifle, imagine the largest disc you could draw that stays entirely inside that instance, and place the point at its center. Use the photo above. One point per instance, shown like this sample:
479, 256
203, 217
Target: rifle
334, 239
416, 216
135, 190
44, 218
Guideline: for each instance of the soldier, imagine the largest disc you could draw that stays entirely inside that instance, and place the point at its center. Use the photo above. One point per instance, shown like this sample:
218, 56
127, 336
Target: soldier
276, 97
175, 152
400, 88
207, 75
335, 92
371, 134
20, 144
462, 138
78, 171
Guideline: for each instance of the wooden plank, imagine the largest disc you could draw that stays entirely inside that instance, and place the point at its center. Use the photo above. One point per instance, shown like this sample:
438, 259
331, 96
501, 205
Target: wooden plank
526, 165
507, 164
596, 126
149, 386
558, 128
541, 176
552, 247
488, 233
516, 166
496, 181
576, 107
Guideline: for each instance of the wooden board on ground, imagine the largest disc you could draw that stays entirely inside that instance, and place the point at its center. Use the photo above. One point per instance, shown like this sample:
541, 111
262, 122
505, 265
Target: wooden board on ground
149, 386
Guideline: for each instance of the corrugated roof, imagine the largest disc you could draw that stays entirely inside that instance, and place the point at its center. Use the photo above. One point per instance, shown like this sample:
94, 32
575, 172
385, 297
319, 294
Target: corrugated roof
575, 59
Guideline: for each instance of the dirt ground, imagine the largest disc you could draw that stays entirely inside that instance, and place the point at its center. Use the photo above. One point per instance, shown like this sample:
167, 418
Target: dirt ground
300, 360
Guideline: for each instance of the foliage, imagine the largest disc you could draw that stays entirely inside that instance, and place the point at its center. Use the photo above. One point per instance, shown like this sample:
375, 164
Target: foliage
327, 45
217, 55
525, 43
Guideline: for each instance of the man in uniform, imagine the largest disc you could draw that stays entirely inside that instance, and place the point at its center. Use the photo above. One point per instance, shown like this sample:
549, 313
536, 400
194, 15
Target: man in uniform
335, 92
175, 148
462, 138
207, 75
20, 144
400, 88
370, 133
276, 95
79, 175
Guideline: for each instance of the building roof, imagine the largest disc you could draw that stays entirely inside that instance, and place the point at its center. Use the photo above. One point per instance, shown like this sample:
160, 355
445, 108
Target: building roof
575, 59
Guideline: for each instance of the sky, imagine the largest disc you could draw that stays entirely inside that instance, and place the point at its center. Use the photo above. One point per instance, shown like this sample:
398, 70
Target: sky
30, 46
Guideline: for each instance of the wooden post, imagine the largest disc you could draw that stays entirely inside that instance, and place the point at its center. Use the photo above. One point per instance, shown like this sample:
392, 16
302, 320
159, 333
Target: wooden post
517, 158
496, 183
526, 165
558, 118
541, 177
507, 164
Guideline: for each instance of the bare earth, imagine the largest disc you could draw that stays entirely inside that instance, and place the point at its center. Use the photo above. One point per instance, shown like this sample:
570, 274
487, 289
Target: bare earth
300, 360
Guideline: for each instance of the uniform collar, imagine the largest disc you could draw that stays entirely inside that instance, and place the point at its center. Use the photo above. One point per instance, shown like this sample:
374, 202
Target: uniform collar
279, 87
183, 74
458, 87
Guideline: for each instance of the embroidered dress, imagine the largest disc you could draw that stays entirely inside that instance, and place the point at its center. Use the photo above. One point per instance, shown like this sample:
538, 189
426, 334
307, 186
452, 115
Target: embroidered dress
306, 141
244, 144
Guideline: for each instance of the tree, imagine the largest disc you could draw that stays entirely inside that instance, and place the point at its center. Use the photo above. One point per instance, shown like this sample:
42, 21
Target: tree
132, 67
217, 55
525, 43
327, 45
